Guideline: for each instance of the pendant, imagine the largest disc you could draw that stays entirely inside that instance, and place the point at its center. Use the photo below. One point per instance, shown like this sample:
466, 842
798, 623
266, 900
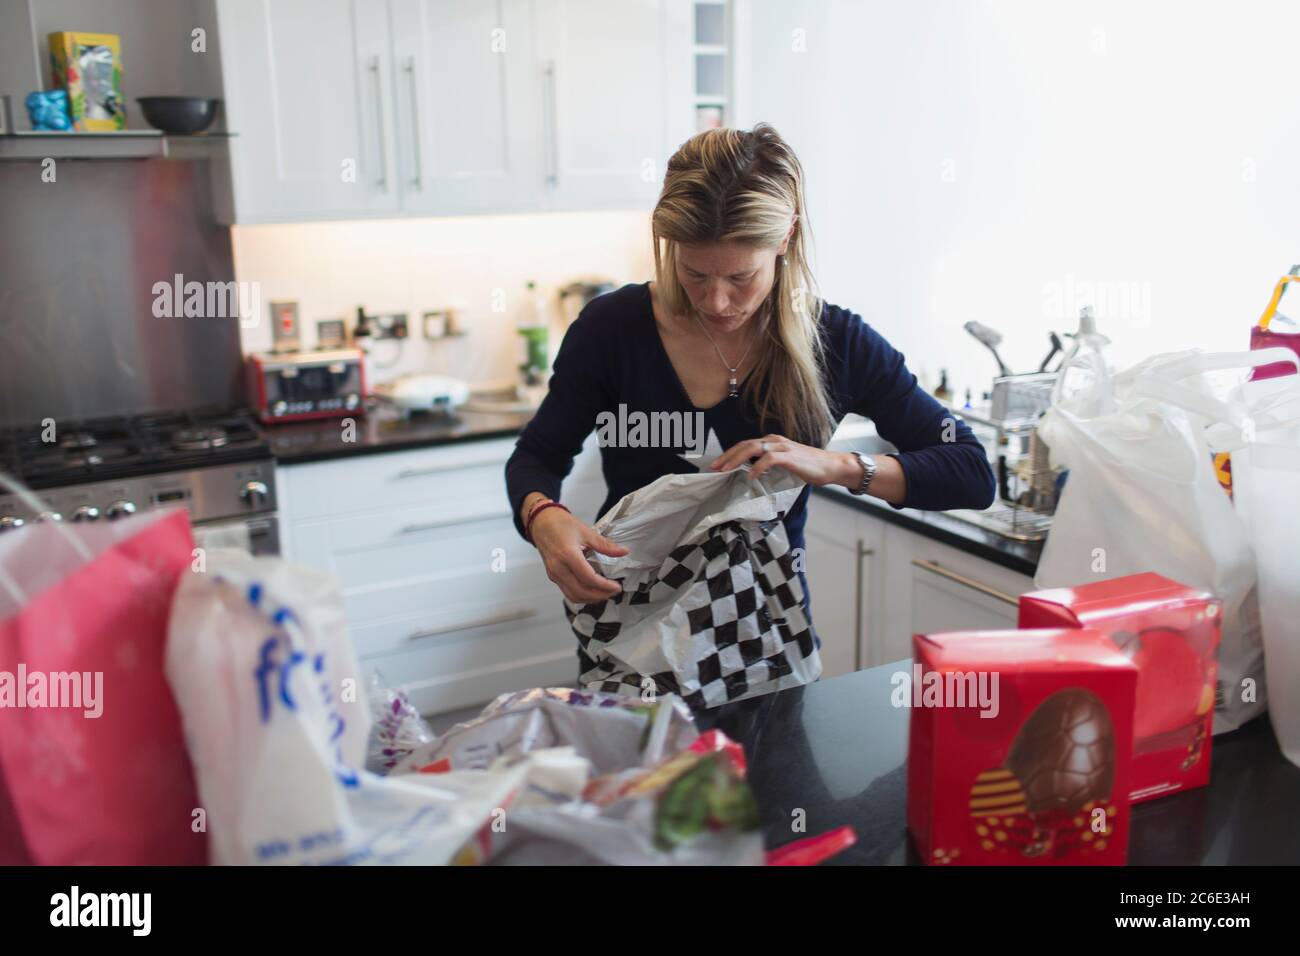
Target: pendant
735, 392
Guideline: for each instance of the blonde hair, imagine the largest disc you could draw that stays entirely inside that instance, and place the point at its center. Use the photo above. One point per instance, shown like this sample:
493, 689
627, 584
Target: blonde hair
730, 185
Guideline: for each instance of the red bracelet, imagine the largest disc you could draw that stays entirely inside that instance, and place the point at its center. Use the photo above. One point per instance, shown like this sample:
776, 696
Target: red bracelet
538, 509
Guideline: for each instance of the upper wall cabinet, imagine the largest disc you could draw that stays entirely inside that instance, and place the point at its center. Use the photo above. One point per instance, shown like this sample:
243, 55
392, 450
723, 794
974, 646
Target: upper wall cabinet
469, 99
308, 86
618, 97
370, 108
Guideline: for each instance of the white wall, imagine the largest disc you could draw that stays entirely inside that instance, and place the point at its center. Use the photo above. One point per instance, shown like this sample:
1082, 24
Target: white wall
986, 160
479, 264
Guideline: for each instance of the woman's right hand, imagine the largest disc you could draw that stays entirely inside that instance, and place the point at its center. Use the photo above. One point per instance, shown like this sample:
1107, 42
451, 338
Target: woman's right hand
563, 540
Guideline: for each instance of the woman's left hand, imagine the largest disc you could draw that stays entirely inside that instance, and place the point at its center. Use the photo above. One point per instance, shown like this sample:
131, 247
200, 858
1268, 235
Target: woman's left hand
813, 466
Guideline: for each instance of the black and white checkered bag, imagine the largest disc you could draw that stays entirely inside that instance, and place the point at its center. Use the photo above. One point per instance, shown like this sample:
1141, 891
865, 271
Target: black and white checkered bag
720, 618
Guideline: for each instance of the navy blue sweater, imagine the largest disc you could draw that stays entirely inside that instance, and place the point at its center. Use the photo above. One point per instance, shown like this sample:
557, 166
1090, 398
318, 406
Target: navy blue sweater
612, 355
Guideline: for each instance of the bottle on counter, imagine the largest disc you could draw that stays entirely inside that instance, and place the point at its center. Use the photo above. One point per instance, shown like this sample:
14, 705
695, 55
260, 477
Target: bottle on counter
942, 392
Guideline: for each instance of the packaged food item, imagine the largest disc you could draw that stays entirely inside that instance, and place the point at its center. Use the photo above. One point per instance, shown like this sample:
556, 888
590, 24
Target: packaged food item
89, 67
397, 728
1171, 633
1019, 747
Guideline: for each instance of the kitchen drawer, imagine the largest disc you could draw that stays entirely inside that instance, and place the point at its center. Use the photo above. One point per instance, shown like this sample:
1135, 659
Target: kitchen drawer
452, 624
514, 665
405, 545
368, 482
456, 594
1000, 585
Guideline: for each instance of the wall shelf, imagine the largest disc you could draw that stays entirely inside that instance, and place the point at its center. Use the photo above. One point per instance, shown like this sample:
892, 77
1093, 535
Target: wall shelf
123, 144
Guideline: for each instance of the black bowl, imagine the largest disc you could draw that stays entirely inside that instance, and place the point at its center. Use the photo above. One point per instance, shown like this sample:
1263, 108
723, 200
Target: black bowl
178, 114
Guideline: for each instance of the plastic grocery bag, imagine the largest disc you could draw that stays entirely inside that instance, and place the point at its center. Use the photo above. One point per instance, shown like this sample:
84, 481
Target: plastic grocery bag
626, 781
1266, 465
90, 739
276, 721
712, 605
397, 728
1142, 496
612, 733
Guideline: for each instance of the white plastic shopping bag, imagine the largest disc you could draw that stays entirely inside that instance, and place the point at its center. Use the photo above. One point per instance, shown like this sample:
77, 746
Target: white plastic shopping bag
1265, 448
276, 722
712, 605
1142, 496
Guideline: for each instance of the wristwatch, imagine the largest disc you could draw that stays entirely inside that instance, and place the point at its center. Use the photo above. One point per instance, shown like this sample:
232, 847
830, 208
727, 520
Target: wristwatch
868, 472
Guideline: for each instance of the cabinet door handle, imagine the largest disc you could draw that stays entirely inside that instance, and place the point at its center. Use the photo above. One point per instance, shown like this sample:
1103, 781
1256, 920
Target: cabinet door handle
439, 469
550, 124
415, 121
961, 579
435, 525
505, 618
382, 181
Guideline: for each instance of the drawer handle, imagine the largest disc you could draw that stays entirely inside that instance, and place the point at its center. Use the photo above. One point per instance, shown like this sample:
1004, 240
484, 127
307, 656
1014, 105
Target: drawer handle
440, 468
961, 579
505, 618
435, 525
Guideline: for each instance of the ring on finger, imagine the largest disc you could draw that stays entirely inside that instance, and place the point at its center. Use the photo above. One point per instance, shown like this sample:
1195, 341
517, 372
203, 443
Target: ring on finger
762, 446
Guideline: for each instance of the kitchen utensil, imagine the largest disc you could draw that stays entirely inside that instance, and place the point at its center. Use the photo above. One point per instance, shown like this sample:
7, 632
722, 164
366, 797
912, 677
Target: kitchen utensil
990, 339
180, 115
1056, 347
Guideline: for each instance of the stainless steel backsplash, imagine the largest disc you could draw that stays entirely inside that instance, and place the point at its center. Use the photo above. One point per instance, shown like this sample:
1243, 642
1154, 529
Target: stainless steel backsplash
79, 258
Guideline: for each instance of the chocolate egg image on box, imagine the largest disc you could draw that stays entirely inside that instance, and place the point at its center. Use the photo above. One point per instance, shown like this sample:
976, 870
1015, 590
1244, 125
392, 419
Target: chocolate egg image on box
1064, 754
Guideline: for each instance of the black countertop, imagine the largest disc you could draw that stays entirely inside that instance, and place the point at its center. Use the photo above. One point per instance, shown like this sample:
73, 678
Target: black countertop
1019, 556
383, 430
837, 749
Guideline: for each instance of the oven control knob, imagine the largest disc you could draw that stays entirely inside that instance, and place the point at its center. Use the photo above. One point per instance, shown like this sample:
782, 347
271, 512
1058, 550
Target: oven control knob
254, 493
9, 521
352, 401
86, 513
279, 408
49, 516
119, 509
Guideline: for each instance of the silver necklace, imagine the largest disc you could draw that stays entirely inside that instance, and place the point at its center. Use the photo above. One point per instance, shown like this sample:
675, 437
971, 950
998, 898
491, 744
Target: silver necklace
733, 388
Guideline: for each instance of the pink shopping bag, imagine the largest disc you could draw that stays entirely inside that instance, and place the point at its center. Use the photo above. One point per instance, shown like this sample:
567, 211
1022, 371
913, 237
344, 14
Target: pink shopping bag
91, 747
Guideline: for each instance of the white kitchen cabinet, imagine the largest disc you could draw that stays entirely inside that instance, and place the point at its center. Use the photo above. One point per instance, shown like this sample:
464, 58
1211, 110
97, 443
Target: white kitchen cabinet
469, 100
933, 587
442, 595
843, 568
361, 108
308, 91
902, 583
618, 98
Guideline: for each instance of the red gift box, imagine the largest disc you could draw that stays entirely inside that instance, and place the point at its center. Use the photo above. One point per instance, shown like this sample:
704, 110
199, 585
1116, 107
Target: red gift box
1020, 747
1171, 632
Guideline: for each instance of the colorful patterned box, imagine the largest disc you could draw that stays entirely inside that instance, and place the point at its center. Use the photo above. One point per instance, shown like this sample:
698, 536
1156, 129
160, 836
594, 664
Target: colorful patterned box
89, 67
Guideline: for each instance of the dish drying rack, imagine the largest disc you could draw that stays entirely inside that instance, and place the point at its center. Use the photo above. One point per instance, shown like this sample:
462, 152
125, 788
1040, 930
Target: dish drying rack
1017, 402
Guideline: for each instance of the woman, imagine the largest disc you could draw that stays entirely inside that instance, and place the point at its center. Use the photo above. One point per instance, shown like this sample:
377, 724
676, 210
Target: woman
732, 328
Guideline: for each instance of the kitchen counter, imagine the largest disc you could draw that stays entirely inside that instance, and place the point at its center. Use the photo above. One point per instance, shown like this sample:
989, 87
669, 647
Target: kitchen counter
837, 749
1019, 556
383, 430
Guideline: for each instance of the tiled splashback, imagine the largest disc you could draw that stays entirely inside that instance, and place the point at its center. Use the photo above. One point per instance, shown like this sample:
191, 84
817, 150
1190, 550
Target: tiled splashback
479, 265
